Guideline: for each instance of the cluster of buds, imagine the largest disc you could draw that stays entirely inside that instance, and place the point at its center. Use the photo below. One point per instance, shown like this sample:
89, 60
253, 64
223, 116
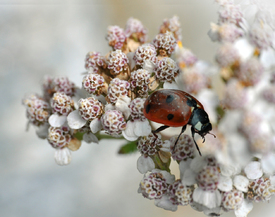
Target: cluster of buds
113, 91
237, 166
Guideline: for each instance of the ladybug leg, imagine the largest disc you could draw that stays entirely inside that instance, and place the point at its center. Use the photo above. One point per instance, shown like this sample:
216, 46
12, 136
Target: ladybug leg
182, 131
193, 133
160, 129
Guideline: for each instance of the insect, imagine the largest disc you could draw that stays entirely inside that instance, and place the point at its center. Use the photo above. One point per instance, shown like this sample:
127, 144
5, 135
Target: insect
176, 108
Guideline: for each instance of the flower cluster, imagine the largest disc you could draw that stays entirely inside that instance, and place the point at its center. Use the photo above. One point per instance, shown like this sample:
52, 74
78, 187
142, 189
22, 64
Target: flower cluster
237, 165
113, 91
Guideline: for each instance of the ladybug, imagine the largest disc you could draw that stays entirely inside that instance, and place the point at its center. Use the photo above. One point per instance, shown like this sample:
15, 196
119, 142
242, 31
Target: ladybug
176, 108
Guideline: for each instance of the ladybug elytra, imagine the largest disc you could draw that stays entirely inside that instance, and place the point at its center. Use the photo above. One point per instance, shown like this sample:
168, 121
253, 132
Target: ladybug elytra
176, 108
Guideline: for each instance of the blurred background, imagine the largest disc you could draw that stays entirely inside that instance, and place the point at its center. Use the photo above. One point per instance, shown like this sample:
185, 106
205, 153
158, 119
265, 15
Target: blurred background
39, 37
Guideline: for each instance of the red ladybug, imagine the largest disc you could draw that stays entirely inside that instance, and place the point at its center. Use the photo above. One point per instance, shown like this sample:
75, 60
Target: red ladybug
176, 108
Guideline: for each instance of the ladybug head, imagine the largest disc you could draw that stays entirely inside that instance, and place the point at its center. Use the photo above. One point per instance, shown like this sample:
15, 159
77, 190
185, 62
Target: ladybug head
200, 122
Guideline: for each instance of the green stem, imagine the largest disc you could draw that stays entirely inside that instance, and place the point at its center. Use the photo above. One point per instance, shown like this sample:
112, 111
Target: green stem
159, 164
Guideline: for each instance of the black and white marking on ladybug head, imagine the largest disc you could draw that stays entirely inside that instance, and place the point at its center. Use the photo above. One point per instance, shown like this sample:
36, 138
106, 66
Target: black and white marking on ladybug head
200, 122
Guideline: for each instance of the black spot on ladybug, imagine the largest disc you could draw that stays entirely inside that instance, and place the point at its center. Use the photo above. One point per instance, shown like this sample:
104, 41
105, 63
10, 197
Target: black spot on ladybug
170, 117
169, 98
147, 108
191, 102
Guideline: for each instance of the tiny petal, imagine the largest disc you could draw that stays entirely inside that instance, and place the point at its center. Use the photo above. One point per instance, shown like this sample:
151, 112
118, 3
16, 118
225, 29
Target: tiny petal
241, 183
197, 164
62, 156
213, 32
183, 166
132, 62
229, 170
166, 146
189, 177
225, 183
149, 66
207, 198
95, 125
244, 48
42, 131
75, 121
168, 85
129, 133
170, 179
145, 164
239, 152
268, 163
272, 180
90, 138
122, 104
245, 208
109, 106
165, 203
56, 120
142, 128
267, 58
198, 207
253, 170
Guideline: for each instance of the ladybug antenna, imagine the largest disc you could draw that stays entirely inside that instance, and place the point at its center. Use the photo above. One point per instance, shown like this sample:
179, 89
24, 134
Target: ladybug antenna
212, 134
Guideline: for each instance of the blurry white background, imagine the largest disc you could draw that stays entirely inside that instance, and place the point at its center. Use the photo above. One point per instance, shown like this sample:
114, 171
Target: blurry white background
39, 37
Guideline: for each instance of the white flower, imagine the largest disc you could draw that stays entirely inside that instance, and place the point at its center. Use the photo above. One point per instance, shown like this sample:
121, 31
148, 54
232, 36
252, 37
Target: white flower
56, 120
170, 179
145, 164
132, 62
210, 101
62, 156
42, 130
267, 58
241, 183
245, 208
207, 198
230, 122
229, 169
183, 166
90, 138
268, 163
225, 183
165, 203
172, 85
225, 2
238, 149
197, 164
198, 207
75, 121
148, 65
244, 48
122, 104
129, 133
95, 125
213, 33
166, 146
253, 170
187, 175
272, 180
135, 129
